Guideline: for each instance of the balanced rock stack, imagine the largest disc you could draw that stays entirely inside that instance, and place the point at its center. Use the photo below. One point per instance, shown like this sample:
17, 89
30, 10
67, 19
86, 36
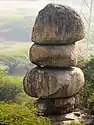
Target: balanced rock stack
55, 80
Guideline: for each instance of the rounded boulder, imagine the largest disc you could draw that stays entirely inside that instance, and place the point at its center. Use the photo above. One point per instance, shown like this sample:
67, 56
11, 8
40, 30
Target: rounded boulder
53, 83
53, 56
57, 24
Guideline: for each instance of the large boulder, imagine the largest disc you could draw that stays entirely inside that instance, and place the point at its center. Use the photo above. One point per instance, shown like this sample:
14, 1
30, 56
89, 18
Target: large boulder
53, 83
53, 55
57, 24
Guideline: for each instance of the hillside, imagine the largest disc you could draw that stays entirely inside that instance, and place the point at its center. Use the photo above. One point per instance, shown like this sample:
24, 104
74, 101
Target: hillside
16, 24
17, 29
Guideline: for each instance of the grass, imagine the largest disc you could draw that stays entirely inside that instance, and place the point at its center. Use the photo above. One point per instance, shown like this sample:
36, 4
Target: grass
9, 18
15, 49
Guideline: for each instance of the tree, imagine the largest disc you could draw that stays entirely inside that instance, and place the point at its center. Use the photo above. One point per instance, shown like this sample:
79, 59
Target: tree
87, 93
15, 65
10, 87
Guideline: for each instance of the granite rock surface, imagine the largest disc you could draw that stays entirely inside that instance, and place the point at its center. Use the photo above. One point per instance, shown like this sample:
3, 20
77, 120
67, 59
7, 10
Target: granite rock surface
57, 24
53, 83
53, 55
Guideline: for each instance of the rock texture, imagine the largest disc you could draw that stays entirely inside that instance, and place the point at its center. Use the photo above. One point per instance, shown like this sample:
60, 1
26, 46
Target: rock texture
66, 119
53, 56
57, 24
80, 117
53, 83
55, 106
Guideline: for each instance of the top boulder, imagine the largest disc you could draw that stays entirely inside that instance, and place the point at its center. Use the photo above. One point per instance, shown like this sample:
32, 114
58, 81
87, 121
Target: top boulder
57, 24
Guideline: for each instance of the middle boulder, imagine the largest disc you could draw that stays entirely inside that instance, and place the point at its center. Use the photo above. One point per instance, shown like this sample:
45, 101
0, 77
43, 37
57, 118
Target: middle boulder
53, 55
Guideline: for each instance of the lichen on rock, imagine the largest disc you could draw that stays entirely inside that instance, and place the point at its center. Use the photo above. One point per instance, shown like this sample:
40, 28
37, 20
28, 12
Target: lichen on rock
57, 24
53, 55
53, 83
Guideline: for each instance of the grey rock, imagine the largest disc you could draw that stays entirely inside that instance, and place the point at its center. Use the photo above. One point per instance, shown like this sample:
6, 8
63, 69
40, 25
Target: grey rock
71, 116
53, 83
77, 100
68, 122
77, 114
63, 102
60, 120
44, 106
55, 106
53, 55
57, 24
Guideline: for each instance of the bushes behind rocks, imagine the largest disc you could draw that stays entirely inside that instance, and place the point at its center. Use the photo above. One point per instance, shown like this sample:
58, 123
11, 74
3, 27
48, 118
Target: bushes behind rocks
15, 114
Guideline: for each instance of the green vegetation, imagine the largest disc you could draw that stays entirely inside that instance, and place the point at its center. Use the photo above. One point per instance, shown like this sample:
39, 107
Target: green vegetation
14, 49
12, 95
15, 114
87, 93
16, 108
15, 60
10, 87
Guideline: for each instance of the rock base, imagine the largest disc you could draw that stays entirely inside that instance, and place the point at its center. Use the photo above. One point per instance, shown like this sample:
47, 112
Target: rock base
76, 117
55, 106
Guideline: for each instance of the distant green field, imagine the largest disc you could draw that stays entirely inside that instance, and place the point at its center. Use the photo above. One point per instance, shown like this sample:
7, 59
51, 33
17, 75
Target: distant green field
14, 57
9, 49
9, 19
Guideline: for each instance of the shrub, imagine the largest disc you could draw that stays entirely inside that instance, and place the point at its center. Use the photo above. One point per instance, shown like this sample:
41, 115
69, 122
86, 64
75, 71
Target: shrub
87, 93
10, 87
15, 114
25, 100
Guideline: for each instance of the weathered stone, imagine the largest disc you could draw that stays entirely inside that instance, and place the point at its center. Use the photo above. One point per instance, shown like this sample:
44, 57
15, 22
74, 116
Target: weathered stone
55, 106
77, 100
70, 116
57, 24
53, 83
63, 102
64, 118
44, 106
78, 114
69, 122
53, 56
83, 118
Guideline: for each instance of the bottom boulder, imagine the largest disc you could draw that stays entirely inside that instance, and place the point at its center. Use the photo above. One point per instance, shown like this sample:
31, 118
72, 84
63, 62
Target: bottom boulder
53, 83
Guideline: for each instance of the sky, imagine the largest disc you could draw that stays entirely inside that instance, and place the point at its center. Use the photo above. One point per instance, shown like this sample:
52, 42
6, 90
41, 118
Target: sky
36, 4
10, 6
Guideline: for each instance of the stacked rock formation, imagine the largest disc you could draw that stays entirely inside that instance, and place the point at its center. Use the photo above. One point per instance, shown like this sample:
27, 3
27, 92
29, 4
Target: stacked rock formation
55, 80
